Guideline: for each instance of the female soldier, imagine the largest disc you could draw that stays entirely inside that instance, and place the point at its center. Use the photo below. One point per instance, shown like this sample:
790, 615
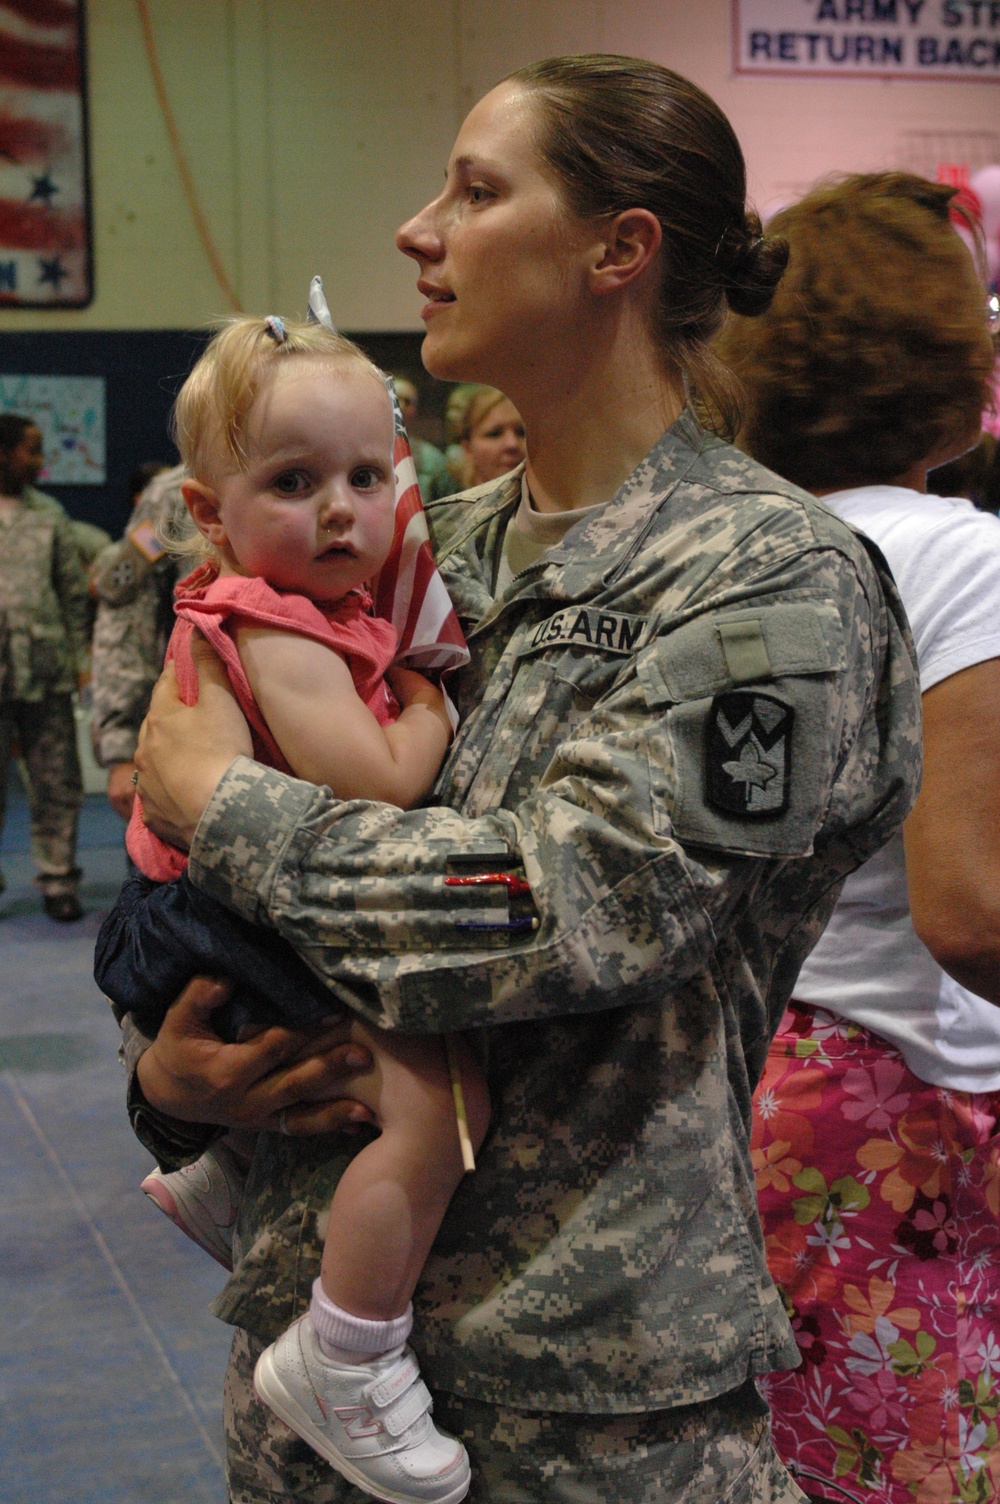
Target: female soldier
690, 712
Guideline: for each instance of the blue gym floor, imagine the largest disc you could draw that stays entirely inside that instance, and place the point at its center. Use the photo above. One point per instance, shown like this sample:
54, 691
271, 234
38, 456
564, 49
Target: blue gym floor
111, 1364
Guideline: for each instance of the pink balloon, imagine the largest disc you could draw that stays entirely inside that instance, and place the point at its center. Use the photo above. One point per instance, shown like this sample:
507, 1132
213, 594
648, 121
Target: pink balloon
986, 185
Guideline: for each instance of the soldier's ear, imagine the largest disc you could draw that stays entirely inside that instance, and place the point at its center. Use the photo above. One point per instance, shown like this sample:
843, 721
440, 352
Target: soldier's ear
203, 505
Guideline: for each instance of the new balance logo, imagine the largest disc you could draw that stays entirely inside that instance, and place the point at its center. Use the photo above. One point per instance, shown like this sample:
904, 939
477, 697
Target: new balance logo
358, 1421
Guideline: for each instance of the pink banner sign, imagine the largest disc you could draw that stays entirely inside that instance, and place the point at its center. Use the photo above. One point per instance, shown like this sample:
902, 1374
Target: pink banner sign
957, 40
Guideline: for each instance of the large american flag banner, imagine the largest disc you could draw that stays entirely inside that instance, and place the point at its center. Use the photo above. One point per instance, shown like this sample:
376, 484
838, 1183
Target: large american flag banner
45, 256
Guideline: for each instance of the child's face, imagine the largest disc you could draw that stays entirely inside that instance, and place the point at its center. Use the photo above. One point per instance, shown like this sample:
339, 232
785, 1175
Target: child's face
314, 510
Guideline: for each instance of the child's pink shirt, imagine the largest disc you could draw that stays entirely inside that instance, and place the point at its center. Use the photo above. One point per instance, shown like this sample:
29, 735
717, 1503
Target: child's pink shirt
212, 603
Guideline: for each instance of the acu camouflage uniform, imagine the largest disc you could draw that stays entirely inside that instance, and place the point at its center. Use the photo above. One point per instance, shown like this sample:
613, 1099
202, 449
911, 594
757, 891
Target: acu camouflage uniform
134, 580
605, 1261
43, 650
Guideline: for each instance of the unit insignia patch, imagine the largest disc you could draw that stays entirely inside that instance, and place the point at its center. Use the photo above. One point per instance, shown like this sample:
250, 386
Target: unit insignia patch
748, 755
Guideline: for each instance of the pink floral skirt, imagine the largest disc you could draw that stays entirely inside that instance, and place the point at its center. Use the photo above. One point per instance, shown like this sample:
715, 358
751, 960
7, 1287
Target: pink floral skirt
880, 1199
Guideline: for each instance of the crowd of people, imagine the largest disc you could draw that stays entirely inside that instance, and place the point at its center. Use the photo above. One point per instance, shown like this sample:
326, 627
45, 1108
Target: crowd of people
644, 917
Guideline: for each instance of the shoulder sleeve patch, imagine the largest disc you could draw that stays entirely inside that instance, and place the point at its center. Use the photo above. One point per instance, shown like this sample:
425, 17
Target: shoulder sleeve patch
748, 755
143, 537
751, 702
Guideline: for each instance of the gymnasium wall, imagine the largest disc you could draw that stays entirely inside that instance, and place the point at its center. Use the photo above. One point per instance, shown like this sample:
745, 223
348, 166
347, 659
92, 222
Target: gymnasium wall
312, 128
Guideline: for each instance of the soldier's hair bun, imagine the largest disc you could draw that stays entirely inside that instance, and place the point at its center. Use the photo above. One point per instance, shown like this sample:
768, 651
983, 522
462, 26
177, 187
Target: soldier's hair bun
752, 266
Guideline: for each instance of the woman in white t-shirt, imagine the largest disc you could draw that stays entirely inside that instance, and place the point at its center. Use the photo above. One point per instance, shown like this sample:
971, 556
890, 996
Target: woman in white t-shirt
876, 1141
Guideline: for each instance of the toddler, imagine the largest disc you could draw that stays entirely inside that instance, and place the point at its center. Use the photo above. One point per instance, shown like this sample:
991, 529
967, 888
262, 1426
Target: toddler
287, 433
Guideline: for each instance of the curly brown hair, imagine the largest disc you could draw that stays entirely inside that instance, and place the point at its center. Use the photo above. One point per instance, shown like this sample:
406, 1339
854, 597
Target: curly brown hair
875, 352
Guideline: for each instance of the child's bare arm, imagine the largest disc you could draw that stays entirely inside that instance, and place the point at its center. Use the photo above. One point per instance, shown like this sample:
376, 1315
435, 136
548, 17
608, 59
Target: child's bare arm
306, 695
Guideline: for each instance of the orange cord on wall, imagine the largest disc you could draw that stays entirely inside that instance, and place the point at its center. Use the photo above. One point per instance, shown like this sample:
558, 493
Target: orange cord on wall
184, 171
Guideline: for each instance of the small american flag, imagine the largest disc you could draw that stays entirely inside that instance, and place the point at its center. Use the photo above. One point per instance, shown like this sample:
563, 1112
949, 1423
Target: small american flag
409, 591
45, 256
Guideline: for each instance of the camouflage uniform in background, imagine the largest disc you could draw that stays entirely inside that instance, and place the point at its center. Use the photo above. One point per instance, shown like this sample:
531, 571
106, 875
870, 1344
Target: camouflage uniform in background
43, 650
684, 725
90, 540
433, 476
134, 581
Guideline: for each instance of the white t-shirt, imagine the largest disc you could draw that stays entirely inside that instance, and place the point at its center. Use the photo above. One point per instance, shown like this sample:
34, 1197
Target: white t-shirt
869, 965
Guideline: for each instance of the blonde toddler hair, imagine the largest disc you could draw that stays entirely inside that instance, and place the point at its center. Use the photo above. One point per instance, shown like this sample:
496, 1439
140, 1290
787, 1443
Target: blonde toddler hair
212, 407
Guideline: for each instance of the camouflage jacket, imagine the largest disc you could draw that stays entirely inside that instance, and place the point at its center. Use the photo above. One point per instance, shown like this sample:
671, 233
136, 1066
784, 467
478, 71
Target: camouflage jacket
134, 580
43, 601
684, 726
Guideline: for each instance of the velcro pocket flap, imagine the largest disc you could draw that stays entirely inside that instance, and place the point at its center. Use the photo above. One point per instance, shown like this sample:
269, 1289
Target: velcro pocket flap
726, 649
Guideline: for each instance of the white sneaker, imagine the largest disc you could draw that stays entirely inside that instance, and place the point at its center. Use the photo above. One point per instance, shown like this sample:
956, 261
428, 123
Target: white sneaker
371, 1421
202, 1199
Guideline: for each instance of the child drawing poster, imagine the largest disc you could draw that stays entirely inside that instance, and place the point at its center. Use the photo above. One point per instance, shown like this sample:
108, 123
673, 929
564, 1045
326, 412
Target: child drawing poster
70, 412
45, 251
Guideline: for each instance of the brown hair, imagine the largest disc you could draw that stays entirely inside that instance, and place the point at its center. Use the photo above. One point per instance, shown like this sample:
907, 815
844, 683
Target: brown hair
211, 411
974, 474
468, 405
622, 133
13, 428
875, 351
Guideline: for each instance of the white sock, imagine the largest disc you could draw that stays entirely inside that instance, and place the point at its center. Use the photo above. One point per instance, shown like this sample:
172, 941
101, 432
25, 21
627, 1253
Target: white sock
353, 1339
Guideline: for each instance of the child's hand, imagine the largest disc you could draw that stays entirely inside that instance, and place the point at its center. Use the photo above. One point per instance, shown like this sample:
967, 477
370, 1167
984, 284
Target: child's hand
185, 749
413, 690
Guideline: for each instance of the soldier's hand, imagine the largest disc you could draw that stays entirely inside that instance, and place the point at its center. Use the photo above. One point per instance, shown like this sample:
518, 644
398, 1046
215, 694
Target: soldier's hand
286, 1080
121, 792
185, 749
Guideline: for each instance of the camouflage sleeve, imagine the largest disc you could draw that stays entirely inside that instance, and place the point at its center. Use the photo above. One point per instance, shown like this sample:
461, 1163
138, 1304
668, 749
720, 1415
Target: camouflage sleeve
171, 1142
359, 890
69, 578
117, 571
121, 570
128, 648
622, 901
134, 580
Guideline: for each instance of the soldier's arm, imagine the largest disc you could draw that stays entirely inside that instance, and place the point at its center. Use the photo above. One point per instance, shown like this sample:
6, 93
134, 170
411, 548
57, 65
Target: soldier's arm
122, 569
630, 879
127, 658
70, 580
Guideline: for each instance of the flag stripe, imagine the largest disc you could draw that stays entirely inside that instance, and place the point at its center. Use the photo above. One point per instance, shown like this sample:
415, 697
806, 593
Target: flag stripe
409, 591
35, 67
25, 140
43, 12
31, 227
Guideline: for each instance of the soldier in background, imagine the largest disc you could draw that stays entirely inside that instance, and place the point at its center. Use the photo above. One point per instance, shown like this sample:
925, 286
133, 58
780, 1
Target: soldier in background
43, 659
134, 583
